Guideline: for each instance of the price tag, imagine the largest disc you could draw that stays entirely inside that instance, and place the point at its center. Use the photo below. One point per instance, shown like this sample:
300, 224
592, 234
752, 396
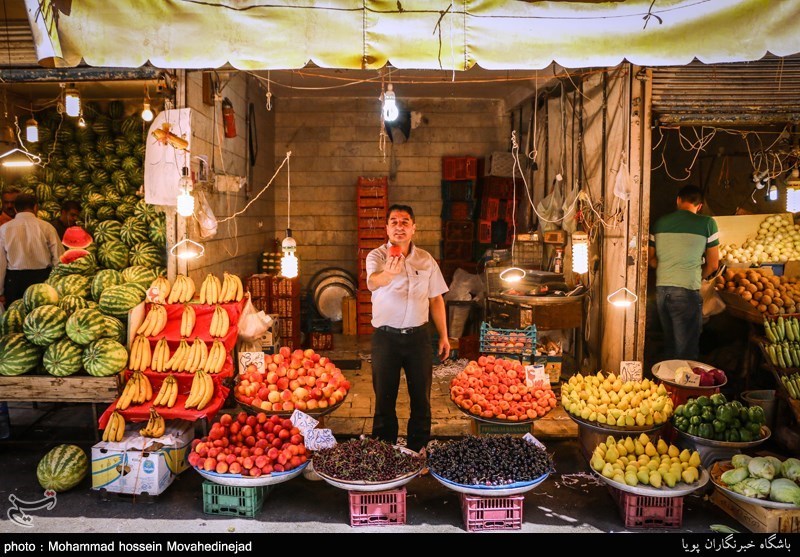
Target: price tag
693, 380
319, 439
531, 439
247, 359
630, 371
303, 422
153, 294
536, 376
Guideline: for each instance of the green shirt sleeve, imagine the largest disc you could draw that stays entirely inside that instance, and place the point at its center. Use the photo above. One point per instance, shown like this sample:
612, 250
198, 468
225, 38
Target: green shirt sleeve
713, 233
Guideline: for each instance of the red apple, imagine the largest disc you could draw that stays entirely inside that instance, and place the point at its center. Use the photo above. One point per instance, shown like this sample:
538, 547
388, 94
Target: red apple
235, 468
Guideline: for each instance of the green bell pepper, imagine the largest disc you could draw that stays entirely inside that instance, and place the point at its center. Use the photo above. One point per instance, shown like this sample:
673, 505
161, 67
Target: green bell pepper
736, 404
693, 409
695, 420
755, 429
719, 436
681, 423
745, 436
744, 416
756, 415
706, 431
718, 399
726, 413
719, 426
736, 423
692, 430
680, 410
732, 436
708, 414
703, 401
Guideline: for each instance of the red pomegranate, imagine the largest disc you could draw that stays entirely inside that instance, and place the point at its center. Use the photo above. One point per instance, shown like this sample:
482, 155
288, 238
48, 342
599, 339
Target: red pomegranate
76, 237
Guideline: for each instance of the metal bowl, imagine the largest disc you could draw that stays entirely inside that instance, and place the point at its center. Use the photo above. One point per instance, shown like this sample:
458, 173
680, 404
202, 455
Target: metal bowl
238, 480
765, 434
691, 363
493, 420
721, 467
374, 486
679, 490
288, 413
611, 430
516, 488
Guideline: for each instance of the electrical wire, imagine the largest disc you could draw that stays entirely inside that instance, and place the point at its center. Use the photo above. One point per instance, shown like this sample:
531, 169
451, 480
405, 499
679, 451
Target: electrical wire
255, 198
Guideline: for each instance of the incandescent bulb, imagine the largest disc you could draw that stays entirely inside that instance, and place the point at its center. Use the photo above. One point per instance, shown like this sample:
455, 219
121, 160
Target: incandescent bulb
147, 114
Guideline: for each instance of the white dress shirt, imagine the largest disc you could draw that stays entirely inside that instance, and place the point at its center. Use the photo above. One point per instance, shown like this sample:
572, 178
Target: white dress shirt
27, 243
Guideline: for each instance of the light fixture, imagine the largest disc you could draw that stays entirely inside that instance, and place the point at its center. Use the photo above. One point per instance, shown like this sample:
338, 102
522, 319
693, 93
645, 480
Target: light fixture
622, 298
512, 274
187, 249
185, 198
793, 191
32, 130
147, 114
19, 158
772, 193
580, 253
390, 111
81, 121
289, 260
72, 101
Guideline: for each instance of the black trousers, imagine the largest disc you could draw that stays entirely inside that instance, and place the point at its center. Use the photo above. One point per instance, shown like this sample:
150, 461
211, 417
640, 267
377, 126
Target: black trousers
17, 281
392, 352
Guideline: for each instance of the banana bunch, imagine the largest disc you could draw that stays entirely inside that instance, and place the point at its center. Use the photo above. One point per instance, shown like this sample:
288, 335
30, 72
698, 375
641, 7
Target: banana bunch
198, 355
178, 360
201, 392
155, 321
160, 356
155, 425
182, 291
232, 290
168, 393
188, 320
216, 358
210, 290
138, 390
163, 286
140, 354
220, 322
115, 428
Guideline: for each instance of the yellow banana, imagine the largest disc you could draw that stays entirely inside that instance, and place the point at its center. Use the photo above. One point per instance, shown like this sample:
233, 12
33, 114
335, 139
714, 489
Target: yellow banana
212, 358
127, 395
192, 358
175, 292
187, 320
163, 393
173, 393
209, 391
120, 427
193, 392
184, 356
146, 323
221, 355
226, 287
239, 288
224, 322
204, 291
214, 320
109, 428
190, 289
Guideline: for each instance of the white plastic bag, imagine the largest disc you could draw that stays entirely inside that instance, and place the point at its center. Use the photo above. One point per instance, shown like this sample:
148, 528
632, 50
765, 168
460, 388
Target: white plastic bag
253, 324
205, 217
622, 183
550, 208
712, 301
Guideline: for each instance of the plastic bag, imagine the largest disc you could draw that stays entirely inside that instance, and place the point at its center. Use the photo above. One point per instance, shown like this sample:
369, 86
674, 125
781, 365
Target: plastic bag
622, 183
253, 324
464, 287
712, 301
550, 208
205, 217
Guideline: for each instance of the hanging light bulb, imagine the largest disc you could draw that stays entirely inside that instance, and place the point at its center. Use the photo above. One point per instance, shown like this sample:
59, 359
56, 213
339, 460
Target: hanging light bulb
72, 101
772, 193
187, 249
512, 274
81, 121
622, 298
289, 262
390, 111
147, 114
793, 191
185, 198
580, 253
32, 131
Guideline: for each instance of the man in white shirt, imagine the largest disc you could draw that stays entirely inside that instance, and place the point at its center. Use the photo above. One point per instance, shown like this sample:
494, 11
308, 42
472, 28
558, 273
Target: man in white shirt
406, 286
29, 249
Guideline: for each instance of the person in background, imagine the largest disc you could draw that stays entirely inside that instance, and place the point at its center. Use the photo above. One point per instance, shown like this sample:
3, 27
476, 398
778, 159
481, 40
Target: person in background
29, 249
407, 285
684, 248
8, 197
70, 213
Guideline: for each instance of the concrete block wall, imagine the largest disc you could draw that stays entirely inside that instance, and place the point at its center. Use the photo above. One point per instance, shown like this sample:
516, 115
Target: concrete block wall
333, 141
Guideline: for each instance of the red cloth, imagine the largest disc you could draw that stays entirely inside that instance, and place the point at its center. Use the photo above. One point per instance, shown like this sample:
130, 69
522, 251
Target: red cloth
141, 412
204, 313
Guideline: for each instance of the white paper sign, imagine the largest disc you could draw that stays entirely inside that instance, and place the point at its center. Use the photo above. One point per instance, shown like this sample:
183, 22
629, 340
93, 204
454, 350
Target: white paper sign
536, 377
630, 371
531, 439
303, 422
153, 294
693, 380
319, 439
251, 358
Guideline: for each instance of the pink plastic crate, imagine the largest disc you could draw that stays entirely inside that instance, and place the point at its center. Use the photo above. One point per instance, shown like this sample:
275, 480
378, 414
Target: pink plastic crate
639, 511
380, 508
492, 513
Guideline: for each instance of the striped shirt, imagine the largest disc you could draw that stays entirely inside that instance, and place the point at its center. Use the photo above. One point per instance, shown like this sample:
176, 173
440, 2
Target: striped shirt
681, 239
27, 243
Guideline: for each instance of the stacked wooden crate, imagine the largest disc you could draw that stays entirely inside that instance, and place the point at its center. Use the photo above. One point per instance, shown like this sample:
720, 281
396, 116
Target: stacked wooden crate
497, 212
459, 175
285, 302
372, 203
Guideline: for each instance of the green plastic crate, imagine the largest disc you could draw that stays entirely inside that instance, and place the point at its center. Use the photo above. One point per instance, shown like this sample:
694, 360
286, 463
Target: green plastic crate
228, 500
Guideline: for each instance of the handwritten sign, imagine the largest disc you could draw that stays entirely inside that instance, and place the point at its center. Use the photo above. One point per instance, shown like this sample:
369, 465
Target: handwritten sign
531, 439
319, 439
251, 358
630, 371
536, 376
303, 422
692, 380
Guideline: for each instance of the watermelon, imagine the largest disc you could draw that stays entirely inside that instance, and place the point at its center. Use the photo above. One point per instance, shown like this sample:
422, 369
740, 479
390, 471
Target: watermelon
107, 230
85, 326
103, 279
63, 358
45, 215
72, 303
145, 211
131, 199
72, 255
80, 175
11, 321
140, 150
99, 176
65, 132
146, 254
106, 212
60, 190
53, 207
113, 197
39, 295
62, 468
74, 194
71, 149
134, 231
75, 163
116, 109
90, 225
122, 147
130, 164
118, 300
86, 147
132, 124
101, 125
44, 193
105, 144
95, 200
75, 237
74, 285
124, 210
140, 287
110, 162
139, 274
45, 325
48, 176
114, 329
17, 354
113, 254
158, 231
105, 357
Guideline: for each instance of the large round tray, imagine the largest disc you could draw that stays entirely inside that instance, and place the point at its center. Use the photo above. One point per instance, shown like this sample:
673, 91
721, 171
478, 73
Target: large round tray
287, 413
679, 490
516, 488
691, 363
723, 466
373, 486
604, 428
765, 431
493, 420
238, 480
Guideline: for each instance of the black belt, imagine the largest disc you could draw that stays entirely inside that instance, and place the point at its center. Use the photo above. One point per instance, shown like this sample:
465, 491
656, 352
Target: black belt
406, 331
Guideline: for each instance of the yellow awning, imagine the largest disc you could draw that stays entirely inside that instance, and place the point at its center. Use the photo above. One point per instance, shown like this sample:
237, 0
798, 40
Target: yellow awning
413, 34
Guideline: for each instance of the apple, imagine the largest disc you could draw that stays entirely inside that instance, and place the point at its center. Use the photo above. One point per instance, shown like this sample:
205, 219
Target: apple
312, 404
294, 384
272, 377
288, 406
283, 383
286, 395
235, 468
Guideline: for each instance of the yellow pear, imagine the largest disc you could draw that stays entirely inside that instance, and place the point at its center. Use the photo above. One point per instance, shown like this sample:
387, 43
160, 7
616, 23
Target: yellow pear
662, 390
653, 465
675, 460
598, 463
685, 455
600, 450
593, 417
694, 460
617, 386
611, 454
624, 404
658, 417
631, 479
585, 413
643, 460
621, 421
655, 479
630, 421
644, 439
623, 460
611, 441
673, 451
658, 405
601, 419
638, 448
648, 420
662, 447
640, 420
629, 445
608, 470
650, 450
643, 475
614, 397
615, 413
671, 479
687, 476
675, 470
631, 467
619, 478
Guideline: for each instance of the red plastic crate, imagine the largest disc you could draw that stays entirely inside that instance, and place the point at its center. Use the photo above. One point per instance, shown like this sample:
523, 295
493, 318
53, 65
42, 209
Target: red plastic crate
378, 508
459, 168
492, 513
457, 210
495, 186
639, 511
484, 232
490, 208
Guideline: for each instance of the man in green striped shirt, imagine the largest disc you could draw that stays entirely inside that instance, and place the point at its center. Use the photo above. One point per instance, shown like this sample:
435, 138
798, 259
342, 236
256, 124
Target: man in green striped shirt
684, 248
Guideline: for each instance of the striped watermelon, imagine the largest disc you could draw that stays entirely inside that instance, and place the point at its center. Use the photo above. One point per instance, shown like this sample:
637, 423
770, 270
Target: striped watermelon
53, 207
60, 190
86, 266
136, 176
85, 326
86, 147
113, 197
131, 199
75, 163
74, 285
63, 358
11, 321
145, 211
105, 144
39, 295
105, 357
137, 273
80, 175
158, 231
65, 133
103, 279
130, 164
124, 210
106, 212
99, 176
118, 300
44, 193
113, 254
114, 329
122, 147
71, 149
95, 200
101, 125
45, 215
134, 231
116, 109
62, 468
17, 354
110, 161
72, 303
92, 161
48, 176
45, 325
140, 150
146, 254
131, 124
107, 230
140, 287
74, 194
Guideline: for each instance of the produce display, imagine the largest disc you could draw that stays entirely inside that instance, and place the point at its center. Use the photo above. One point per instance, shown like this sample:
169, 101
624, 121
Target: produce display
768, 294
115, 428
764, 478
366, 460
608, 400
250, 446
494, 460
496, 388
182, 290
783, 348
634, 461
62, 468
507, 342
708, 377
776, 241
214, 292
792, 384
717, 419
138, 390
301, 380
155, 425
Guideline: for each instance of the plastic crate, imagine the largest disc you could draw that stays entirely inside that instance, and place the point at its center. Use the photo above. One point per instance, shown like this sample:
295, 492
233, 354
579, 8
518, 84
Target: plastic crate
492, 340
285, 287
490, 208
485, 231
228, 500
460, 251
321, 341
492, 513
500, 188
462, 190
378, 508
258, 286
459, 168
459, 231
639, 511
458, 210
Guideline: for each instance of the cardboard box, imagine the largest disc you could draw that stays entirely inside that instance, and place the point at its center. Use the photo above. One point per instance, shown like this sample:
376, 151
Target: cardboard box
135, 471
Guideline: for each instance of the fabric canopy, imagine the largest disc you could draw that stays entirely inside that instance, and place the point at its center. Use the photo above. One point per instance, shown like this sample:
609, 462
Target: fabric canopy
412, 34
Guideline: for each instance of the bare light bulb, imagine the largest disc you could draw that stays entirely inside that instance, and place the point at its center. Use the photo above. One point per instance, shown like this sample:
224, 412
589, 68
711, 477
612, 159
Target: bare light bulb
185, 198
72, 101
390, 110
32, 131
793, 191
147, 114
580, 253
289, 263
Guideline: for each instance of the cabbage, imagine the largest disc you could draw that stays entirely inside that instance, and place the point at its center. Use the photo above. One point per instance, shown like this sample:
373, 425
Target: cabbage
741, 460
757, 487
784, 491
777, 464
791, 469
732, 477
760, 467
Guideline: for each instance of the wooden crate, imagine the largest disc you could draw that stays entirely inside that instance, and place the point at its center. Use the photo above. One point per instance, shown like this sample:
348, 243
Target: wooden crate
757, 518
47, 388
349, 316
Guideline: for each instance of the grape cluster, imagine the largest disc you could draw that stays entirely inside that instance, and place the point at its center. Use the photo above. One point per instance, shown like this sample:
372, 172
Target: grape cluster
369, 460
494, 460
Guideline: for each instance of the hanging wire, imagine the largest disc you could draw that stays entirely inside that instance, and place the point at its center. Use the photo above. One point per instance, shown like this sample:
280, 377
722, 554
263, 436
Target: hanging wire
255, 198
